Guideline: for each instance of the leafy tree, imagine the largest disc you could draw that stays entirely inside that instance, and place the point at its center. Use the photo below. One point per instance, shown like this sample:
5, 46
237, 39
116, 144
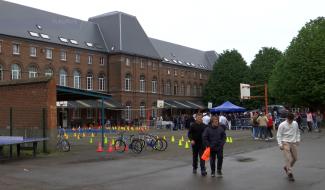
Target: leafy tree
229, 71
299, 78
261, 70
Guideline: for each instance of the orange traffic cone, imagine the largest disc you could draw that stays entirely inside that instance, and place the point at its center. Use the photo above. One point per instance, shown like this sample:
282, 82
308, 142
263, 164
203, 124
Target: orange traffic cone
99, 148
110, 148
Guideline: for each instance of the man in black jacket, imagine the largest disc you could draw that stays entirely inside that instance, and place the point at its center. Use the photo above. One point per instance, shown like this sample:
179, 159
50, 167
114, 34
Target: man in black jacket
214, 137
195, 135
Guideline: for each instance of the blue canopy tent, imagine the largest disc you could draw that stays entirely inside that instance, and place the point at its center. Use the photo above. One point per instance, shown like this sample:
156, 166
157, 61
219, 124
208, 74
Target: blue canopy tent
227, 107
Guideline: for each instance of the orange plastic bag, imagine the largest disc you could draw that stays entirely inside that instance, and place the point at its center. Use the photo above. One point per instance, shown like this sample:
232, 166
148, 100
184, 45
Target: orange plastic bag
206, 154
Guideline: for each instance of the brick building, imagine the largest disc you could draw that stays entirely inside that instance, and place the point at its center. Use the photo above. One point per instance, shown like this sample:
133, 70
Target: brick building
108, 53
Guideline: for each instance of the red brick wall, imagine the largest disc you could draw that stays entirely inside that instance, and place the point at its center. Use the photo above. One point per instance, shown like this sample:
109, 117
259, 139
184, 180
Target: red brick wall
27, 99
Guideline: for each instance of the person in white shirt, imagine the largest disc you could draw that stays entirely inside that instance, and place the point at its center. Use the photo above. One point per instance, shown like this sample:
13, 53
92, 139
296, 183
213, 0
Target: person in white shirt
288, 137
206, 118
223, 120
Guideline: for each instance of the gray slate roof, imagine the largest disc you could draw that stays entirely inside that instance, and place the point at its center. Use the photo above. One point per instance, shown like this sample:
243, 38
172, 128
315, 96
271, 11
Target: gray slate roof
17, 20
123, 33
184, 56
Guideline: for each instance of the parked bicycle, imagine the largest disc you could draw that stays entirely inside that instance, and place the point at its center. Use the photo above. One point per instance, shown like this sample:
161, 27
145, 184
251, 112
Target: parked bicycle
122, 141
152, 141
62, 144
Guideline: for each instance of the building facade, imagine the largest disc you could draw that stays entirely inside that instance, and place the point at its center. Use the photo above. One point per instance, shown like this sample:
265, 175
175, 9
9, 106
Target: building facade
109, 53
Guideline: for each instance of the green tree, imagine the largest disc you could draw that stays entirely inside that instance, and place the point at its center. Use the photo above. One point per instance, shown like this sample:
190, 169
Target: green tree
229, 71
261, 70
299, 78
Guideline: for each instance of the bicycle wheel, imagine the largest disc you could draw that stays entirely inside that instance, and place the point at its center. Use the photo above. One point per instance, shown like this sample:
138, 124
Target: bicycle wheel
65, 145
164, 144
136, 146
158, 144
119, 146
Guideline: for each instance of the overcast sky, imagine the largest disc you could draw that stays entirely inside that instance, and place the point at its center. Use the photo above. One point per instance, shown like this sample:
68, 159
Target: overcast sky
245, 25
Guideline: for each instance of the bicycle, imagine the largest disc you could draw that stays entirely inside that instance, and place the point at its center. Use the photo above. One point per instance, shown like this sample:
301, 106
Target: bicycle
63, 144
134, 144
149, 140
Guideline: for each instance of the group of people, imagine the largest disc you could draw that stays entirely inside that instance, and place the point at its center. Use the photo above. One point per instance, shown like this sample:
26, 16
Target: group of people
262, 126
203, 136
214, 136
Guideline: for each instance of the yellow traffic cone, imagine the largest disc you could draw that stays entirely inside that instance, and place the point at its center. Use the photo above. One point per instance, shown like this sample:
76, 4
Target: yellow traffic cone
230, 140
83, 134
91, 141
105, 140
164, 138
227, 141
182, 139
113, 142
92, 135
187, 146
172, 139
74, 134
180, 142
78, 137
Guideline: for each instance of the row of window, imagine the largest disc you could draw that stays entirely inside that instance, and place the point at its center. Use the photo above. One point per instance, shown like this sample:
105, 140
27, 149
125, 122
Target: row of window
33, 72
49, 54
195, 74
166, 88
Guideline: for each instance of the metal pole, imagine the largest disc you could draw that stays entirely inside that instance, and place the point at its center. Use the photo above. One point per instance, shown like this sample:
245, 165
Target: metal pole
265, 95
102, 115
10, 130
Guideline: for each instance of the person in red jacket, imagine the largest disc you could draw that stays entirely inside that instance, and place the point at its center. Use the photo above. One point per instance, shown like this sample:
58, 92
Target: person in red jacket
269, 127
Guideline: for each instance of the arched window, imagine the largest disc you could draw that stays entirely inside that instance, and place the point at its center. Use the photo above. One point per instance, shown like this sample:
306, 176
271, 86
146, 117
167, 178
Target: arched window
32, 72
175, 91
142, 84
89, 81
154, 85
76, 79
195, 90
128, 111
182, 91
188, 90
142, 110
168, 88
127, 82
15, 72
1, 71
63, 77
48, 72
101, 82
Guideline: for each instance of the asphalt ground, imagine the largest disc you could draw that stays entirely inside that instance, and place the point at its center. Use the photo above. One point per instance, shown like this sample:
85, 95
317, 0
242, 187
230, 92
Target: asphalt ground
248, 164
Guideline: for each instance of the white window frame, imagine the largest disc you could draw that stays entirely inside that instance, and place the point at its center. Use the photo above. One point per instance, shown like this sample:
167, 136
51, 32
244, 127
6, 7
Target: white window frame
89, 82
127, 61
128, 113
1, 72
15, 74
63, 55
90, 59
49, 53
33, 51
48, 73
77, 58
154, 86
142, 84
76, 80
101, 83
32, 73
141, 64
102, 61
127, 83
63, 78
142, 112
16, 49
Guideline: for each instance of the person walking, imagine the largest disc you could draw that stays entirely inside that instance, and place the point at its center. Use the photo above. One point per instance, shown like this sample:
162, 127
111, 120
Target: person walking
195, 136
288, 137
309, 121
319, 119
214, 137
269, 127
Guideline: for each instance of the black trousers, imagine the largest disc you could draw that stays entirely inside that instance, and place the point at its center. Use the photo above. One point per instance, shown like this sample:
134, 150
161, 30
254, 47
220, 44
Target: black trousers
213, 154
197, 153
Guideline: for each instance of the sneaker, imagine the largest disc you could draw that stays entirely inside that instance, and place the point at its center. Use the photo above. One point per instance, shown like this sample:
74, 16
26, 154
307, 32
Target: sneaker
219, 172
213, 175
290, 177
204, 173
194, 171
285, 169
